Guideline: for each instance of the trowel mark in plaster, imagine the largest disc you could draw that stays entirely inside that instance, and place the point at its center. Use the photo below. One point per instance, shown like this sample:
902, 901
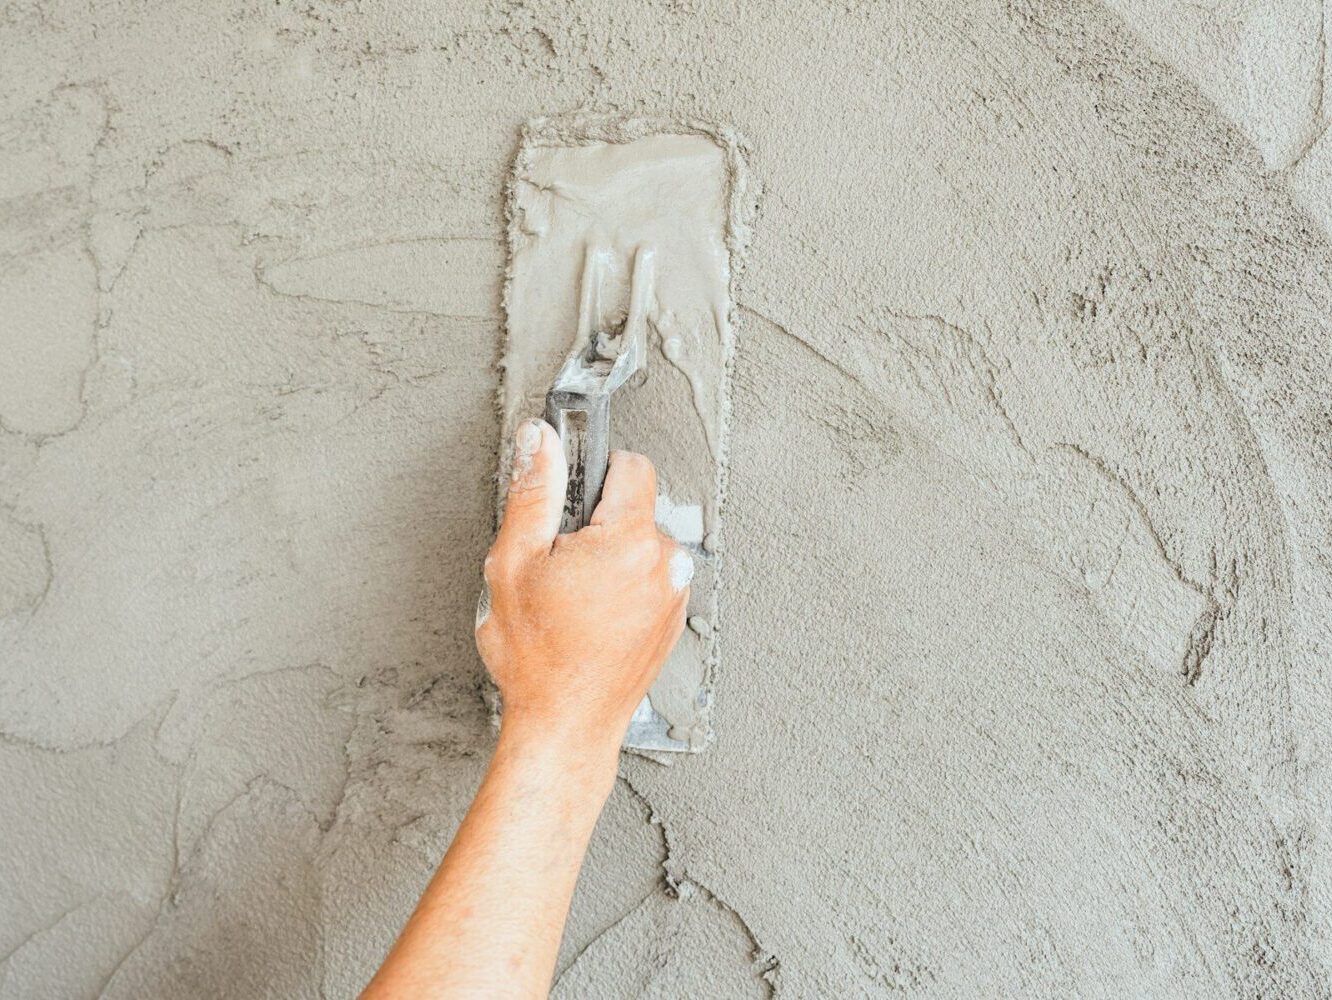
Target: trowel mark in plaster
674, 348
1203, 633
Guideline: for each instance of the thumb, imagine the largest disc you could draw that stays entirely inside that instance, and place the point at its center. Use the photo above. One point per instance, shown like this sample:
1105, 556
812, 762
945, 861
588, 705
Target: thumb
536, 492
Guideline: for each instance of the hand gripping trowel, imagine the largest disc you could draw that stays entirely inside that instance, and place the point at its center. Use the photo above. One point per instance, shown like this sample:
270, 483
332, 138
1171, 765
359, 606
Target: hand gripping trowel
578, 406
621, 235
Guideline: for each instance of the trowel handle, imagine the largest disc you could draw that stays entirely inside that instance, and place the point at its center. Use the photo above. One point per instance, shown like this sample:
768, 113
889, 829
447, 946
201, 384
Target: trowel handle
583, 424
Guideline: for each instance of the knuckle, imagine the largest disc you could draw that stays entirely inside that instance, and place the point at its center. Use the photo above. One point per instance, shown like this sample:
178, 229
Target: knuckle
643, 551
487, 643
635, 464
668, 547
498, 567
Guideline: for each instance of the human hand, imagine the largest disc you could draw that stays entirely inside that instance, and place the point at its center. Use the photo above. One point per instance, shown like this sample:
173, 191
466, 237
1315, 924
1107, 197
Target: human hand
579, 624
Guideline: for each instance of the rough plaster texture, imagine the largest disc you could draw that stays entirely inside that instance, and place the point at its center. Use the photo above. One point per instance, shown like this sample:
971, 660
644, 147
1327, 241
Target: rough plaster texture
1028, 523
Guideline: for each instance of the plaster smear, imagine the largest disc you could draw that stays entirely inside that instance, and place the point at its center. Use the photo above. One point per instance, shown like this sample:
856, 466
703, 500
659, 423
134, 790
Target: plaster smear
620, 188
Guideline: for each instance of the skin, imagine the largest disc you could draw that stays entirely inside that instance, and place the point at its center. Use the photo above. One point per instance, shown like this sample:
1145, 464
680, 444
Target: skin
578, 628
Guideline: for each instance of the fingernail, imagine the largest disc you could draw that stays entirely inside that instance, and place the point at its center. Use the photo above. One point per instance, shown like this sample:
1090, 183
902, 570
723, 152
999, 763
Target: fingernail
525, 445
529, 438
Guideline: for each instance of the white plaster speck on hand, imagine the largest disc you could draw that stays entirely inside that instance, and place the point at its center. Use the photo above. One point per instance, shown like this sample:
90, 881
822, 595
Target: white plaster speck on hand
682, 569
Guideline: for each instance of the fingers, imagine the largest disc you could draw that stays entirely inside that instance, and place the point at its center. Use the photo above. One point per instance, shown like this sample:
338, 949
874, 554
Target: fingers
629, 495
536, 492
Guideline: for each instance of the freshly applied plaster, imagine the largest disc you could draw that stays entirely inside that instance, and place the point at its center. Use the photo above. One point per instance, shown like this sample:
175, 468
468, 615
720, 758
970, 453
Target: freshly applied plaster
613, 221
1029, 582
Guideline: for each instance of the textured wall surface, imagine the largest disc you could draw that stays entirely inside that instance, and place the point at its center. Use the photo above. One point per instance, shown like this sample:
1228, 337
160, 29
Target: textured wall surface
1026, 639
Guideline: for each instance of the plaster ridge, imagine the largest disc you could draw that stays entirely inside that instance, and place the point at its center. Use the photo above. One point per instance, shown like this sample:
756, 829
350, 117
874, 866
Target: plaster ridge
1203, 633
39, 529
50, 925
290, 668
167, 898
1317, 110
783, 329
162, 708
1037, 31
263, 282
85, 231
678, 883
989, 372
606, 930
93, 348
1216, 363
168, 891
159, 158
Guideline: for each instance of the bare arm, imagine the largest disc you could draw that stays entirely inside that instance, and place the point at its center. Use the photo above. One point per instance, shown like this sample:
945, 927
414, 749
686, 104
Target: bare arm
578, 628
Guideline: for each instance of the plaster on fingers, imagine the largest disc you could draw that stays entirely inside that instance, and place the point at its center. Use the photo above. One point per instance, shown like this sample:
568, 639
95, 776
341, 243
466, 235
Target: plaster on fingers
681, 569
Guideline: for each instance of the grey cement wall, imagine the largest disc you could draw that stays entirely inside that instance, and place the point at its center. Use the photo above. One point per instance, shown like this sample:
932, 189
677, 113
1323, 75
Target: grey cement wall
1026, 640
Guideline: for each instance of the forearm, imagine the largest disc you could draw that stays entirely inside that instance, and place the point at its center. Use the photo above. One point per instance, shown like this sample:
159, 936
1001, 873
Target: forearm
576, 628
490, 921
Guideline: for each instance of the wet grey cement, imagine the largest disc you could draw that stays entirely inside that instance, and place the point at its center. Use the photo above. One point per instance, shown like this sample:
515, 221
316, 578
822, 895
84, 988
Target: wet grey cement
1025, 643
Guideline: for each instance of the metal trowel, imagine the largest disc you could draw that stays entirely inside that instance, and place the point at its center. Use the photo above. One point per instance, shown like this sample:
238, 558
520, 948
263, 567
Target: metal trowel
578, 403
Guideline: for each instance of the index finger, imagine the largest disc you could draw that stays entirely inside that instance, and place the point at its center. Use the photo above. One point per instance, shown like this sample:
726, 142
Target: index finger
629, 495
